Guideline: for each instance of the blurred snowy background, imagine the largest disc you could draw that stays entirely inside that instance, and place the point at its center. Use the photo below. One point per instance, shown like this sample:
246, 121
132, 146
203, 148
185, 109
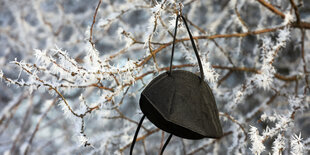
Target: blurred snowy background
71, 84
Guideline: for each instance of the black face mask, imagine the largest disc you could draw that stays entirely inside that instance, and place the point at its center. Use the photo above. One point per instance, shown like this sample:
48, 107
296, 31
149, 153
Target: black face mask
180, 103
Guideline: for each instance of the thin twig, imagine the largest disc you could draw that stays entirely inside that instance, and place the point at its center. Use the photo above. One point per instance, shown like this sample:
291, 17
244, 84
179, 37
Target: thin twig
92, 25
38, 126
272, 8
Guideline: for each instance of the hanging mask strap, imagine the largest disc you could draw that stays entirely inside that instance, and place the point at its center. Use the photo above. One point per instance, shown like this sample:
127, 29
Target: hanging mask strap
136, 135
165, 145
193, 44
174, 36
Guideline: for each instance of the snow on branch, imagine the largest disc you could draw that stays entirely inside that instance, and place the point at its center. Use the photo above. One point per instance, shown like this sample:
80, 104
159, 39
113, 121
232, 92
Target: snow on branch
72, 73
269, 52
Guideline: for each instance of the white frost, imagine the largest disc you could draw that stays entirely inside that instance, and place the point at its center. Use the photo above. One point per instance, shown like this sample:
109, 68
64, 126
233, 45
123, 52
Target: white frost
278, 145
1, 74
289, 18
297, 146
257, 141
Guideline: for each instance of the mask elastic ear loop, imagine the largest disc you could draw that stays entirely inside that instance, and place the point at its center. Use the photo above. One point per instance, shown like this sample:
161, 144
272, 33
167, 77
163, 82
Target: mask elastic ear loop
174, 36
193, 44
136, 135
166, 143
194, 47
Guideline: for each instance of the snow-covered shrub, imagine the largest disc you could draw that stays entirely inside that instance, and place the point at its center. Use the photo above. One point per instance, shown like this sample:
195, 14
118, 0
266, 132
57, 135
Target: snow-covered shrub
72, 72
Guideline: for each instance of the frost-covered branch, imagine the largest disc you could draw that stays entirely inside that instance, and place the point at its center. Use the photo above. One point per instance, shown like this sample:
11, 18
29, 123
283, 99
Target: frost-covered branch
92, 59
